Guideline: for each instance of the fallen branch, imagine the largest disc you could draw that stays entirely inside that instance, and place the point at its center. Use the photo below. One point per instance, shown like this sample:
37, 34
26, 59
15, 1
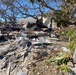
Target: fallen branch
8, 69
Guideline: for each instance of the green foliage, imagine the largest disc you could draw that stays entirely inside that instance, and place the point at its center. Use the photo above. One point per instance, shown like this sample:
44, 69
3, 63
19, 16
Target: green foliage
70, 34
72, 45
62, 32
64, 68
63, 58
60, 58
72, 39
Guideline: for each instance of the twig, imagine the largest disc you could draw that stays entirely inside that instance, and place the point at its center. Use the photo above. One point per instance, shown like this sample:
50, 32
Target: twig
8, 69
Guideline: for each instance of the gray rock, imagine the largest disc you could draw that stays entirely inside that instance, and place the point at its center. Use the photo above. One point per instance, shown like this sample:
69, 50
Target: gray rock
23, 42
65, 49
74, 56
19, 73
2, 63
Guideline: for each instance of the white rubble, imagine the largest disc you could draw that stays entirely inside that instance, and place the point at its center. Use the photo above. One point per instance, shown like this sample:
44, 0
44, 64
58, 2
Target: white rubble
65, 49
21, 51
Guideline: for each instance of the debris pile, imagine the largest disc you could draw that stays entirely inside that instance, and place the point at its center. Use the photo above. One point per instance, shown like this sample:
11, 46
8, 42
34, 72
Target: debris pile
21, 49
16, 54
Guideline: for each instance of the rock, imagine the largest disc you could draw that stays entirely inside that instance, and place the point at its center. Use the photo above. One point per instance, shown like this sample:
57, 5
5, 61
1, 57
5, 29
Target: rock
65, 49
55, 48
74, 57
5, 64
2, 63
38, 73
54, 39
24, 42
23, 35
10, 53
19, 73
52, 35
5, 51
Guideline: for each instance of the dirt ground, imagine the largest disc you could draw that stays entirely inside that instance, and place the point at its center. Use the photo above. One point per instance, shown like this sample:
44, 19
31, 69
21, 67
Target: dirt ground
42, 67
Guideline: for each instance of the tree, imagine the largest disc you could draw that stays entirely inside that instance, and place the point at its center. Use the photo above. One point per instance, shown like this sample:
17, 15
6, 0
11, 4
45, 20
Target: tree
8, 12
4, 11
67, 14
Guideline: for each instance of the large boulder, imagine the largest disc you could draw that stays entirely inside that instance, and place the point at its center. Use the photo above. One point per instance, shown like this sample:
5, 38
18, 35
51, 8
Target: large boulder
25, 21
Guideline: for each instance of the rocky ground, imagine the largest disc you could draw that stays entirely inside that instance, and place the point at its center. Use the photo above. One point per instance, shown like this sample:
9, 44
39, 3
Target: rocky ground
17, 58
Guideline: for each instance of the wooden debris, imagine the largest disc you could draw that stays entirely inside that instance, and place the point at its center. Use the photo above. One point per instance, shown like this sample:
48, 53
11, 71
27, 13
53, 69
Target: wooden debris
8, 69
